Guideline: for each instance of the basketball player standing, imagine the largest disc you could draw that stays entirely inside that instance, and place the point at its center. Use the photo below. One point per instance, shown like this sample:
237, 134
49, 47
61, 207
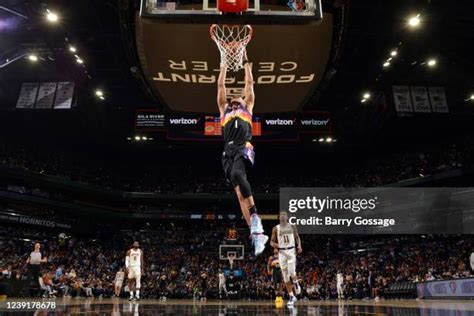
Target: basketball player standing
273, 269
118, 282
238, 155
285, 238
134, 265
222, 286
340, 285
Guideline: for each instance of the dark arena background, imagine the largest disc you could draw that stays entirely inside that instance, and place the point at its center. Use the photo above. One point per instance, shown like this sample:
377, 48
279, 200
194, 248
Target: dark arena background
110, 134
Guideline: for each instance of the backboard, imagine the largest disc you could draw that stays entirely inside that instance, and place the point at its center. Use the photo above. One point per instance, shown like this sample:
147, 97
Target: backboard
306, 10
236, 250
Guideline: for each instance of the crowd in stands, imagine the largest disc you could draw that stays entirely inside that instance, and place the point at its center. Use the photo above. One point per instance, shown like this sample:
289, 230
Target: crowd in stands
85, 266
177, 177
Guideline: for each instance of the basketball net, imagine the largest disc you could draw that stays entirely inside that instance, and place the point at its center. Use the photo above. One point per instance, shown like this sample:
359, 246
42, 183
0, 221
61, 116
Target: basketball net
231, 258
231, 41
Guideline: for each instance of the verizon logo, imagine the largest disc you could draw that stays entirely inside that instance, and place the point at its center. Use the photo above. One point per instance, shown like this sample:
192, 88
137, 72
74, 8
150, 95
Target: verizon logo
315, 122
279, 122
183, 121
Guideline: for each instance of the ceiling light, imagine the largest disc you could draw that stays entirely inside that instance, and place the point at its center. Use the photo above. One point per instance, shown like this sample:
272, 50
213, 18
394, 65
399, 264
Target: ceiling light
72, 49
33, 57
366, 95
393, 53
386, 64
414, 21
79, 61
328, 140
99, 93
52, 16
432, 62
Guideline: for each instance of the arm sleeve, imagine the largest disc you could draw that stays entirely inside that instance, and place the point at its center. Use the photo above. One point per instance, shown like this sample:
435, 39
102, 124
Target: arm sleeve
127, 261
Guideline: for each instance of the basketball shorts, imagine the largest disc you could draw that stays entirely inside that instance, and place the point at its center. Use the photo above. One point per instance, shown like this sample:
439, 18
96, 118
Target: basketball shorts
134, 272
233, 153
119, 283
287, 259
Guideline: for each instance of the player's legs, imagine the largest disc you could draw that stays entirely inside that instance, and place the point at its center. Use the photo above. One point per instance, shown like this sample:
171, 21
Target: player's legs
339, 291
288, 270
292, 273
118, 288
238, 178
131, 281
244, 205
137, 283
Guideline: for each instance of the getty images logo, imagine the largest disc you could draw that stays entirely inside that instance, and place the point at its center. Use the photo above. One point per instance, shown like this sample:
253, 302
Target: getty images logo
279, 122
183, 121
314, 122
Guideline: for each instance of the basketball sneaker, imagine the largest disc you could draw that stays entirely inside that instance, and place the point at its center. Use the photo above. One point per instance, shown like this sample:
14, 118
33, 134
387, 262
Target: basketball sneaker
255, 224
256, 230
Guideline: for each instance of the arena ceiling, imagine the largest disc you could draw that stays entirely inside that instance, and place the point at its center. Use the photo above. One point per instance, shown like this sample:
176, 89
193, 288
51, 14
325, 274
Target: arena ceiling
101, 31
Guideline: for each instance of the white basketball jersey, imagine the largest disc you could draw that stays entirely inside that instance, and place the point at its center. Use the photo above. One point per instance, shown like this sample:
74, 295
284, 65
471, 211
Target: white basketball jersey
135, 258
340, 278
286, 236
221, 278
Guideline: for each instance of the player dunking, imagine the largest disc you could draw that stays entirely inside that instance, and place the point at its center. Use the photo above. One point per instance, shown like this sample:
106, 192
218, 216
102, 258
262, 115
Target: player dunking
285, 238
238, 155
134, 265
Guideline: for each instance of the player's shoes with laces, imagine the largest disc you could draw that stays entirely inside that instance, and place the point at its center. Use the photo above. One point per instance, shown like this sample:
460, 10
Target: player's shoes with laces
292, 300
131, 298
256, 230
255, 224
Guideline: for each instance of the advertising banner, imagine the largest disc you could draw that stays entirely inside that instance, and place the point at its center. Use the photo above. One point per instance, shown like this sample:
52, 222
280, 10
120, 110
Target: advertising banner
455, 288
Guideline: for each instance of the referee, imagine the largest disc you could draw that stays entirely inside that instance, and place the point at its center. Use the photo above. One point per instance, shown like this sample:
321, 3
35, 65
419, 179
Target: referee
34, 262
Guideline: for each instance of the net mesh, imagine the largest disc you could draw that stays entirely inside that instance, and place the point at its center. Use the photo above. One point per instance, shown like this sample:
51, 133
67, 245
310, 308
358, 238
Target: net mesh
231, 41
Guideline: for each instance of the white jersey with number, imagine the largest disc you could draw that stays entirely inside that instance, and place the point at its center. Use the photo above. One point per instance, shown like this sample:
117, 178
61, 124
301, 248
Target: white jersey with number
339, 278
287, 251
135, 258
286, 236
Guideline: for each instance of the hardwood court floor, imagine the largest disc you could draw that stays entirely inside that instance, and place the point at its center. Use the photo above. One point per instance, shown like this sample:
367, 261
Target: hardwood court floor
188, 307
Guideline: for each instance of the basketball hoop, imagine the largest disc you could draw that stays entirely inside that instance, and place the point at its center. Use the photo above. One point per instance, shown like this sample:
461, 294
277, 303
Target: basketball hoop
231, 41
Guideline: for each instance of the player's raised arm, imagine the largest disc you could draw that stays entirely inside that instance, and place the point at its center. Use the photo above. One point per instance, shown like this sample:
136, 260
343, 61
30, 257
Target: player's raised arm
274, 239
299, 249
248, 90
221, 92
